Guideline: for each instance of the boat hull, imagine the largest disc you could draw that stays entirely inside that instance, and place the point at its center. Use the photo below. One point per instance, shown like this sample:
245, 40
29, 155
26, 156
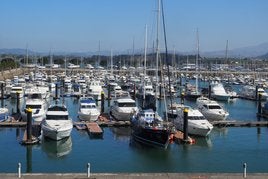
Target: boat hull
88, 117
151, 137
57, 132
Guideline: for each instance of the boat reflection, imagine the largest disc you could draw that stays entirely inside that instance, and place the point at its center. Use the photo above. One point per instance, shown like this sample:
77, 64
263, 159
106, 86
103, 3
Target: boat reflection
57, 149
121, 133
203, 142
219, 131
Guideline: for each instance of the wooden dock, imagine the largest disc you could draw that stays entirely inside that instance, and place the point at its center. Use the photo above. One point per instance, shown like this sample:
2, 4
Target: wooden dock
178, 137
94, 129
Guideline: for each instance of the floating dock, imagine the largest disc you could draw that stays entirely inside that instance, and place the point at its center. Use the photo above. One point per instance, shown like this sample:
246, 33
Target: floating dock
94, 129
234, 123
178, 137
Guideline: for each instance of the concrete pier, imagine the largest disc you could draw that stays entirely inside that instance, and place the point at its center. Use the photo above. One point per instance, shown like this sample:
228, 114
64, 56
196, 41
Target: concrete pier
135, 175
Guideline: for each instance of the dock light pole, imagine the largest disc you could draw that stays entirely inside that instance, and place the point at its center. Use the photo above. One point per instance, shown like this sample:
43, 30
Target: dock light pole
19, 170
88, 170
29, 112
185, 124
245, 170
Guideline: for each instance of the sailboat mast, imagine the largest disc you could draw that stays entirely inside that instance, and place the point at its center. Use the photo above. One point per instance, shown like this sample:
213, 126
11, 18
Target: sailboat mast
157, 44
111, 62
145, 56
226, 54
196, 62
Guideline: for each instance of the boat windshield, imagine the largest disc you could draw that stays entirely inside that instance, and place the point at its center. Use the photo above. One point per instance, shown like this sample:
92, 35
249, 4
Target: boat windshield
127, 104
214, 107
196, 118
32, 106
57, 117
35, 96
89, 106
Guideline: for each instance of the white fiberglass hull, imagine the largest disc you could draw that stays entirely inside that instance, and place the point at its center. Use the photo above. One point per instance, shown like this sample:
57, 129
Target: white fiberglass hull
57, 130
88, 116
200, 129
217, 116
122, 116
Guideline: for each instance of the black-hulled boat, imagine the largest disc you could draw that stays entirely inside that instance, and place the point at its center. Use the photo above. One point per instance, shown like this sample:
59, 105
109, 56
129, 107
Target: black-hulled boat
148, 128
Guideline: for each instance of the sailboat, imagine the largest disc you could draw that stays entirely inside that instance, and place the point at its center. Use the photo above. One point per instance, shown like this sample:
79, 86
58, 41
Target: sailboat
147, 126
191, 92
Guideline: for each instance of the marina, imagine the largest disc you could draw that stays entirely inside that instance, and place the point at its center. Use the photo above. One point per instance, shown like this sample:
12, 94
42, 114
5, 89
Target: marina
244, 130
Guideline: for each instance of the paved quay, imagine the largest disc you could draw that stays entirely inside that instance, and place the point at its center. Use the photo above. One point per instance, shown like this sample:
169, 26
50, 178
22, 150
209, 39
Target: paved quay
136, 175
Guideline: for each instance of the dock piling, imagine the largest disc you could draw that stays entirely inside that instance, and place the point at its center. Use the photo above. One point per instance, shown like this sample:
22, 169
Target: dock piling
102, 102
256, 92
109, 94
245, 170
2, 95
209, 91
185, 124
134, 91
29, 124
88, 170
18, 103
19, 170
259, 104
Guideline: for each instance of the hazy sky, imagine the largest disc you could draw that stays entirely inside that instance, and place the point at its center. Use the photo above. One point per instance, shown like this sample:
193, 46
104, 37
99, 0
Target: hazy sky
79, 25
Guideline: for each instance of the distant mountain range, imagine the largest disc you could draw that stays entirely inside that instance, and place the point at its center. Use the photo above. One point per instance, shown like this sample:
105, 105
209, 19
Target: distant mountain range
258, 51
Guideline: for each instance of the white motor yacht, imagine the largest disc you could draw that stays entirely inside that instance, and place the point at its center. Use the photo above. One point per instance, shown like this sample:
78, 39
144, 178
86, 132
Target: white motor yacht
123, 109
16, 90
95, 89
197, 123
87, 109
211, 109
57, 124
219, 93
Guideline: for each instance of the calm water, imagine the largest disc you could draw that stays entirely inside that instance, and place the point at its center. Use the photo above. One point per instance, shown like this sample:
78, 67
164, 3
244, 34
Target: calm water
224, 151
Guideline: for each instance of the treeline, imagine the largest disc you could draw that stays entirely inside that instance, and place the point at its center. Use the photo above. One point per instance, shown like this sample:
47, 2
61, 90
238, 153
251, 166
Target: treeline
175, 60
8, 63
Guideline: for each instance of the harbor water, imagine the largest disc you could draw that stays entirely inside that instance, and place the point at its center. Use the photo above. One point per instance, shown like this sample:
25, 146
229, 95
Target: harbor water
224, 151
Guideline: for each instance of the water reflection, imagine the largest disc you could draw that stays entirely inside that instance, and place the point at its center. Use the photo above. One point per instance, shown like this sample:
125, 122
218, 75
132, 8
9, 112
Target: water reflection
57, 149
121, 133
203, 142
219, 131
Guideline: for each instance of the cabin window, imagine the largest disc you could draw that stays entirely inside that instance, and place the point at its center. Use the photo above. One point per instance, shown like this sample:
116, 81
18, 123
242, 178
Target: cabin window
126, 104
33, 106
196, 118
214, 107
57, 117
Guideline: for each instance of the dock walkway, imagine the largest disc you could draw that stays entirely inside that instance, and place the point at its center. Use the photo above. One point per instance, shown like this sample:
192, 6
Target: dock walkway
137, 175
93, 128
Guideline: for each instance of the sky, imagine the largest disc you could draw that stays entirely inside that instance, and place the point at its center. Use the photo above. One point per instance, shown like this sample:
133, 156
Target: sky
119, 25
